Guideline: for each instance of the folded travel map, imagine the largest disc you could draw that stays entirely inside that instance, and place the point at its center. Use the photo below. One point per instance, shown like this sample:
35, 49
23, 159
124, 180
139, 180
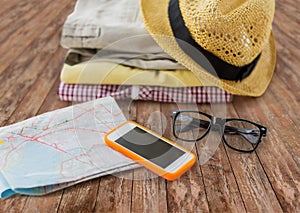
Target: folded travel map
60, 148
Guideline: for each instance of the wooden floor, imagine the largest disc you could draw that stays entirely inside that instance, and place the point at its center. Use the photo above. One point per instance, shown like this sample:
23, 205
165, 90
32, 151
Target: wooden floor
265, 181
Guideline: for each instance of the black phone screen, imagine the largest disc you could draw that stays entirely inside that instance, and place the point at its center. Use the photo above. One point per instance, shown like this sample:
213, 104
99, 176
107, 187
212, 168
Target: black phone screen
150, 147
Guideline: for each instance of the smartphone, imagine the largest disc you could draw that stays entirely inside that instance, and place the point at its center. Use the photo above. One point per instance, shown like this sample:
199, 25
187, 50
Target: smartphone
151, 150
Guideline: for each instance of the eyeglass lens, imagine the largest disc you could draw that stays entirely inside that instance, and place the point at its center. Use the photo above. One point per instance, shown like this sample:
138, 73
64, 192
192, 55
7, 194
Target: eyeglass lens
241, 135
191, 125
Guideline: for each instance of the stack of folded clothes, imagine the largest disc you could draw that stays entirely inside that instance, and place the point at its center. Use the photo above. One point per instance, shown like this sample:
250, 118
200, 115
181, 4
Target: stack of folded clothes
110, 53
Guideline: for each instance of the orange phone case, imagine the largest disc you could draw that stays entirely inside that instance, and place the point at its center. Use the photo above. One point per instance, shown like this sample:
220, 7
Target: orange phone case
146, 163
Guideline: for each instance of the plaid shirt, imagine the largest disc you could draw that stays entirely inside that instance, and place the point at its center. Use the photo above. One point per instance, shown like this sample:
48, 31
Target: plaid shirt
85, 92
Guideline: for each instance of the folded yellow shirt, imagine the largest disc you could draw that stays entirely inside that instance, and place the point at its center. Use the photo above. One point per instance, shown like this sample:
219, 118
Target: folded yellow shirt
117, 74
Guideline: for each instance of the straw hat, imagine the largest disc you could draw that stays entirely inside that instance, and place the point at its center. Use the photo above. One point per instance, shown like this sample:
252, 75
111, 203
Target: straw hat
235, 36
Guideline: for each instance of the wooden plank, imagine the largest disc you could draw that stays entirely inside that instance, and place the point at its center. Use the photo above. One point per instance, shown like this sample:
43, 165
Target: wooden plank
227, 180
46, 204
13, 47
129, 108
290, 30
279, 152
32, 103
275, 117
19, 16
222, 191
49, 203
286, 31
149, 192
109, 194
287, 38
254, 186
286, 65
15, 204
289, 7
18, 83
40, 88
52, 101
7, 6
286, 98
114, 193
79, 198
186, 194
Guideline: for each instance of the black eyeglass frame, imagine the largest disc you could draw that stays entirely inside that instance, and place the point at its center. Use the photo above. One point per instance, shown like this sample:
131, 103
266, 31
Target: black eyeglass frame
216, 121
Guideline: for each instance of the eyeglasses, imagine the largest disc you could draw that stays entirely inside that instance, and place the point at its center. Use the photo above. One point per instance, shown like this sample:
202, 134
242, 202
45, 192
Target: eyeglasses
238, 134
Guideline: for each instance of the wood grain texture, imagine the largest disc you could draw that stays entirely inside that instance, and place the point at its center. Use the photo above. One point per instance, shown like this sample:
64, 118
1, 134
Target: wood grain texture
256, 191
8, 6
79, 198
148, 191
18, 82
36, 103
12, 47
114, 193
187, 194
221, 187
265, 181
279, 154
22, 11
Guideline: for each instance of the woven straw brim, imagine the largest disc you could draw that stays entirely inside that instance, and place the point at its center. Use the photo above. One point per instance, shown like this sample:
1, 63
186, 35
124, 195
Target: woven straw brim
155, 15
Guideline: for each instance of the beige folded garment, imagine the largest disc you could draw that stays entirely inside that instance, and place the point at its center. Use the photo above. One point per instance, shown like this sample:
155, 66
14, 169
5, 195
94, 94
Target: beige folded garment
98, 23
160, 61
116, 26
